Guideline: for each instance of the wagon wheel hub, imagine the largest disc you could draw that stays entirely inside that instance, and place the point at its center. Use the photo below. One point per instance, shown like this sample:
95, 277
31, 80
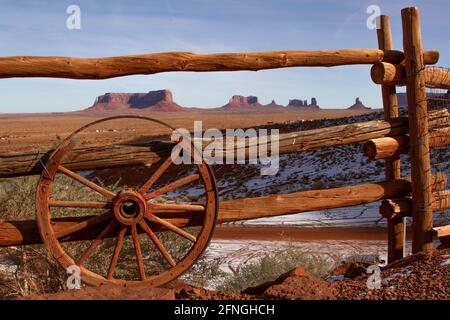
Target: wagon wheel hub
129, 207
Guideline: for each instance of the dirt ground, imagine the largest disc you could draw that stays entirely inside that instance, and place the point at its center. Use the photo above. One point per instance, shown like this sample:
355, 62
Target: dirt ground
420, 276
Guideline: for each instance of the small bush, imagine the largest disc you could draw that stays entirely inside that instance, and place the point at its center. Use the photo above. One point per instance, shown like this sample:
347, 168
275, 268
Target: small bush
271, 266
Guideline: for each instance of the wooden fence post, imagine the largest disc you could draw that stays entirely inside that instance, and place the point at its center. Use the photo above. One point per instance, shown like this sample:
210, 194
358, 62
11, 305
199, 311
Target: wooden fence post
418, 132
396, 225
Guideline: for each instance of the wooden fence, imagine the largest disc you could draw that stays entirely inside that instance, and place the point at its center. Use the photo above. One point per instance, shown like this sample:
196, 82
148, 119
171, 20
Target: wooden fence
416, 196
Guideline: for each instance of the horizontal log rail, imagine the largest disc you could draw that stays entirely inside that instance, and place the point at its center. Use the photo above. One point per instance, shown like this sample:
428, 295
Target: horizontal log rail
443, 231
437, 78
108, 156
110, 67
388, 147
394, 75
438, 181
401, 207
25, 232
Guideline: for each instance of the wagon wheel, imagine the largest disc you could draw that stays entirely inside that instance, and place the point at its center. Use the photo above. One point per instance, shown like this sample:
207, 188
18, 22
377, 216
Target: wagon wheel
131, 213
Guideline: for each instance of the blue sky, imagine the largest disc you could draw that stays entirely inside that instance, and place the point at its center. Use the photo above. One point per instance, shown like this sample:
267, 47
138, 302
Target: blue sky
38, 27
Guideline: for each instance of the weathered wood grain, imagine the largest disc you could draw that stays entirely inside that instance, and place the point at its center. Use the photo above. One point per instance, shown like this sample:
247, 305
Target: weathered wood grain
146, 153
395, 75
110, 67
418, 132
401, 207
26, 232
388, 147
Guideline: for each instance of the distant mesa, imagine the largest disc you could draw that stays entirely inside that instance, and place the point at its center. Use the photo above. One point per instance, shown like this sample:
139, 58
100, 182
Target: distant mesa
242, 103
358, 105
162, 100
159, 100
297, 103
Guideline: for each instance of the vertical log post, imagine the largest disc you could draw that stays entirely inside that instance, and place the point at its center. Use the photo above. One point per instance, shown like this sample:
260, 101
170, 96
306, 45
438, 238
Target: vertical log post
418, 132
396, 225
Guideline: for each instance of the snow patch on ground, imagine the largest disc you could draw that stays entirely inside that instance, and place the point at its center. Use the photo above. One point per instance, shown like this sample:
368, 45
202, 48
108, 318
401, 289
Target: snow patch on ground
236, 253
446, 259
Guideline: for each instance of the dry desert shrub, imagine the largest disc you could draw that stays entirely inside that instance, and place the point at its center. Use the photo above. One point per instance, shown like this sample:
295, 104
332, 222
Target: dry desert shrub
271, 266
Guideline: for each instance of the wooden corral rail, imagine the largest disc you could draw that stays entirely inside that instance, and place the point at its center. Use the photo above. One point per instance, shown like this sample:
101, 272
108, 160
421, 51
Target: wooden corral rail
402, 206
104, 68
441, 232
418, 132
107, 156
25, 232
395, 75
392, 146
388, 147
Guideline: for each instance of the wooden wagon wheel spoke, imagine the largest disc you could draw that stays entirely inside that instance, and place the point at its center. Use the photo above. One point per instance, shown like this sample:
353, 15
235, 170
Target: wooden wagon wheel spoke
172, 186
117, 249
176, 207
128, 211
158, 173
158, 243
79, 204
98, 241
138, 251
170, 226
106, 193
83, 224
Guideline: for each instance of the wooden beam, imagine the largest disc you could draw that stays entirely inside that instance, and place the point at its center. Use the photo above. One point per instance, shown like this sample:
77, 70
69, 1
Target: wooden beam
443, 231
385, 148
438, 181
106, 155
396, 227
418, 132
303, 201
105, 68
388, 147
395, 75
437, 78
401, 207
439, 137
397, 57
388, 74
26, 232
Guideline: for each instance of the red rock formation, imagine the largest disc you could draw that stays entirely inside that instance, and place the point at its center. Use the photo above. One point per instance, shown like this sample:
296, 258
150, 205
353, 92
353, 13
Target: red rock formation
313, 104
358, 105
241, 102
303, 104
250, 103
160, 100
273, 104
297, 103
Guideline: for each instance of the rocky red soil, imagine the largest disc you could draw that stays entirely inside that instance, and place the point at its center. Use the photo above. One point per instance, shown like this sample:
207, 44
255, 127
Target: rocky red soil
420, 276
